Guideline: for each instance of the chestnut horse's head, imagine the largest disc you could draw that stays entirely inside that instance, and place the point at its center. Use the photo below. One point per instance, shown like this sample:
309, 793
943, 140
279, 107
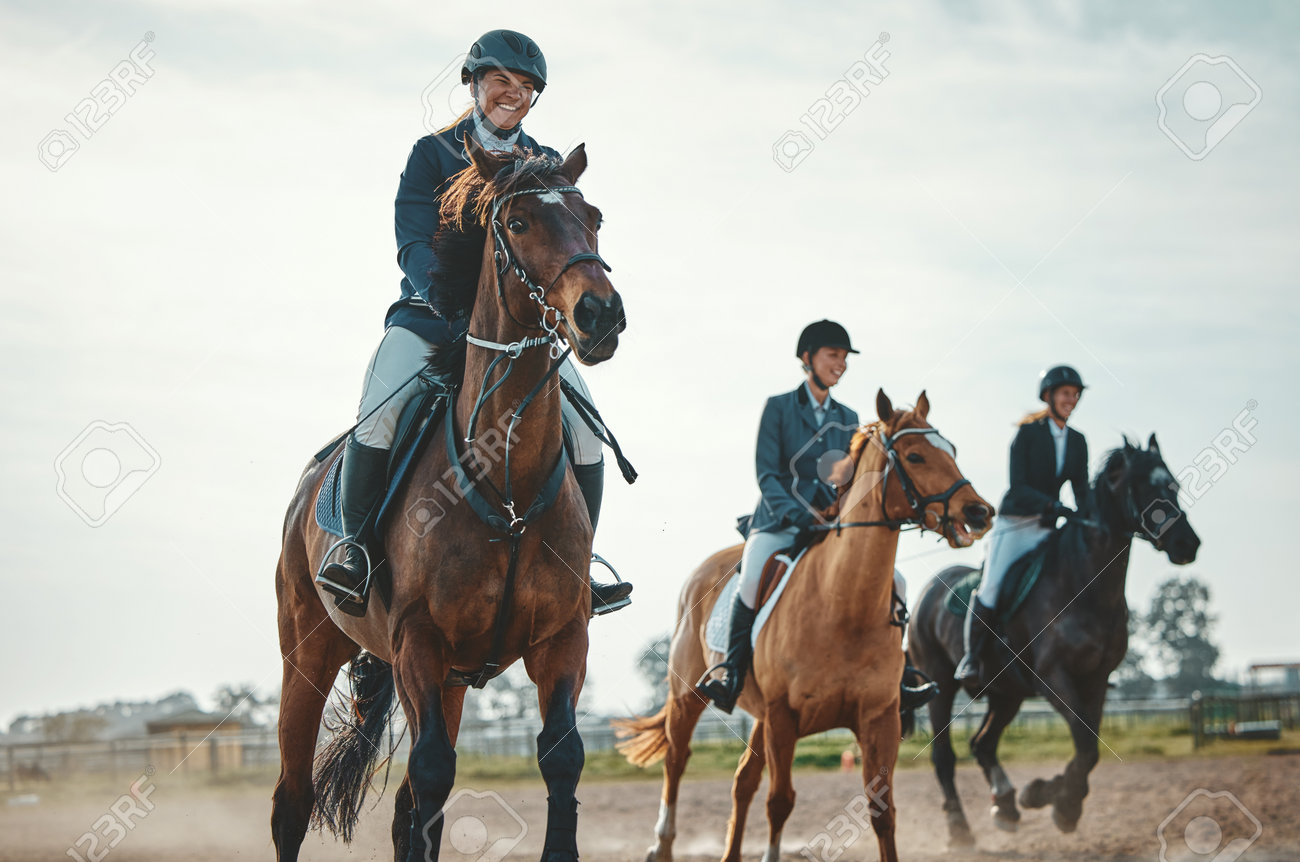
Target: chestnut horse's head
916, 472
542, 237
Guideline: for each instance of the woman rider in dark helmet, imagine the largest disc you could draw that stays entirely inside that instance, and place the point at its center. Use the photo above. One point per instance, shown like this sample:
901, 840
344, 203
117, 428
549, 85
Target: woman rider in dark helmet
506, 72
1044, 455
785, 460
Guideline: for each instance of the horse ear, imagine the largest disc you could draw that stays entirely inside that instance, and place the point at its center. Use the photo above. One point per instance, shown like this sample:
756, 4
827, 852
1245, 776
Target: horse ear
1152, 444
484, 162
922, 405
575, 163
884, 407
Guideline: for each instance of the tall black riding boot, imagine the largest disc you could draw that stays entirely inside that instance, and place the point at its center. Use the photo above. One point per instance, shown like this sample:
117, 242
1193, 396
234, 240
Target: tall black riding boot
740, 655
605, 598
979, 624
913, 697
361, 483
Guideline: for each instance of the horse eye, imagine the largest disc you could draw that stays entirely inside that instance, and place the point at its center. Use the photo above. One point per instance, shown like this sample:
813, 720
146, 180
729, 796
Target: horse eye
915, 458
517, 225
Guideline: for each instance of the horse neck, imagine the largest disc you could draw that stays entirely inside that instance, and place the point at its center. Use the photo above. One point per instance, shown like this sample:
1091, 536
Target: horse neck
859, 561
1100, 576
538, 438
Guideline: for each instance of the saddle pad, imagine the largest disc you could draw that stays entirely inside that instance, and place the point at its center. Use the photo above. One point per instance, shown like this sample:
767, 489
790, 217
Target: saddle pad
329, 514
717, 630
1020, 580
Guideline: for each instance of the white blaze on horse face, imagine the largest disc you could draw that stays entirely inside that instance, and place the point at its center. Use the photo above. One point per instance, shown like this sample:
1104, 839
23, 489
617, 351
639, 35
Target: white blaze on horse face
941, 443
550, 198
1161, 477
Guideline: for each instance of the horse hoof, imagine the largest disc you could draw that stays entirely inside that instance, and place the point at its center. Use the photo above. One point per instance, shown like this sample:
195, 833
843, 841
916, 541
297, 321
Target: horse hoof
1035, 794
1064, 823
1005, 814
959, 834
653, 855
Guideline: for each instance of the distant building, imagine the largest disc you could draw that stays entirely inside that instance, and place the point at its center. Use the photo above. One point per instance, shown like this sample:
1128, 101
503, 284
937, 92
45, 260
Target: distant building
195, 741
1279, 677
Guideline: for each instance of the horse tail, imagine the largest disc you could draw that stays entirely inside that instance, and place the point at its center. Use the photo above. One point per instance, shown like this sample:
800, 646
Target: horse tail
644, 739
346, 765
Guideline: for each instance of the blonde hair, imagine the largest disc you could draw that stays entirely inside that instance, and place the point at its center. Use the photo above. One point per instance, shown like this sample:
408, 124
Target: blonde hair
456, 122
1031, 418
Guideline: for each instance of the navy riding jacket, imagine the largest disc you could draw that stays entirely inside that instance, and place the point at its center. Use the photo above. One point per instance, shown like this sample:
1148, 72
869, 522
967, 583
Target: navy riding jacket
1035, 484
790, 446
440, 265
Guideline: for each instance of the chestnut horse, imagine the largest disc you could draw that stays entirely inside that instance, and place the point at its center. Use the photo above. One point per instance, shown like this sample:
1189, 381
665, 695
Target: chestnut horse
447, 586
1067, 637
828, 656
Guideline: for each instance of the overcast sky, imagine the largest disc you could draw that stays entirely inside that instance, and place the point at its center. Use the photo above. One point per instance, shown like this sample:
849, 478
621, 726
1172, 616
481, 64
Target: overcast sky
210, 260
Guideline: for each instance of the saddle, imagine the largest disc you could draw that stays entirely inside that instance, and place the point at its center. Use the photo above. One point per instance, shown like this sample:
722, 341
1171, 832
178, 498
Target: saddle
1016, 586
416, 424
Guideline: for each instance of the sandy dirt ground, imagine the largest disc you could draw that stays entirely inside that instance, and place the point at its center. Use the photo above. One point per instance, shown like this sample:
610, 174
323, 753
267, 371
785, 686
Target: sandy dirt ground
1121, 821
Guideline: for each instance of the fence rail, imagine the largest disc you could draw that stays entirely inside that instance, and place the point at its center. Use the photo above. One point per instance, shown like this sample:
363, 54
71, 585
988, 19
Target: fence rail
190, 753
1226, 717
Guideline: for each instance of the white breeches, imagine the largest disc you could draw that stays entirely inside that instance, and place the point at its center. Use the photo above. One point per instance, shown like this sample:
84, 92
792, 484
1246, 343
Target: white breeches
760, 546
1011, 538
400, 354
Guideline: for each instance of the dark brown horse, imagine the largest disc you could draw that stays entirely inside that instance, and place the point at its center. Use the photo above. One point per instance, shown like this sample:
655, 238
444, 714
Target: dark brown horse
447, 585
1062, 643
828, 657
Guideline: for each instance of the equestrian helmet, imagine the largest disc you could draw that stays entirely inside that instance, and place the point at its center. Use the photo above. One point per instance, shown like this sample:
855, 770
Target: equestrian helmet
1057, 375
823, 333
505, 49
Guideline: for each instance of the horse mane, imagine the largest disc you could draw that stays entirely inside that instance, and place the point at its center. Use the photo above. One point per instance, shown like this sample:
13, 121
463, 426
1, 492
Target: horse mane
470, 195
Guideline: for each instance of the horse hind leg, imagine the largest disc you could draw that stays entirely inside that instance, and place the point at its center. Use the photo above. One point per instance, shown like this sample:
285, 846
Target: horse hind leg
313, 650
748, 775
984, 745
945, 763
671, 732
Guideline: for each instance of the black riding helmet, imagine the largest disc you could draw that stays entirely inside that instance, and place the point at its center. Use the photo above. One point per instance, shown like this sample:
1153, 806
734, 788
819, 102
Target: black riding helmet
505, 49
823, 333
1057, 375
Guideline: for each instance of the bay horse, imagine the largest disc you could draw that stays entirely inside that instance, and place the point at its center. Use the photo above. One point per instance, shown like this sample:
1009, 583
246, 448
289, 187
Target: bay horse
828, 656
447, 587
1063, 642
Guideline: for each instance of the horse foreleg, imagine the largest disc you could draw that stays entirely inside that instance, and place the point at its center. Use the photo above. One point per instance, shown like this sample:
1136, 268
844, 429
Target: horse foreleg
1081, 709
681, 714
313, 650
945, 762
559, 666
421, 667
453, 701
984, 745
781, 734
748, 775
879, 738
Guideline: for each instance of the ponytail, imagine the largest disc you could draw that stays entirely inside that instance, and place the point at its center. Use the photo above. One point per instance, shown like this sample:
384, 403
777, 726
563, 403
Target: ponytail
456, 122
1030, 418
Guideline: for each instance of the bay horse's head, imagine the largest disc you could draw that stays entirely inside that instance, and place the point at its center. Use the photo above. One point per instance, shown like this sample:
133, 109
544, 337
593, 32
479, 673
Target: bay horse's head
916, 472
542, 235
1137, 491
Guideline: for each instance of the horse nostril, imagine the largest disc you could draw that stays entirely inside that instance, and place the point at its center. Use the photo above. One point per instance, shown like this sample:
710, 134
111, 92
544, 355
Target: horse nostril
977, 514
587, 313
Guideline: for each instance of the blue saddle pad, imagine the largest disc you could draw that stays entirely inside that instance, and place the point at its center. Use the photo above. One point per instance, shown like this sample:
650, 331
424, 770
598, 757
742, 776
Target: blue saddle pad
329, 514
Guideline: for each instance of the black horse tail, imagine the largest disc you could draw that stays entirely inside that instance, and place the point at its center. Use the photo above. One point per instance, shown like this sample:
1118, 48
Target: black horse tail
346, 766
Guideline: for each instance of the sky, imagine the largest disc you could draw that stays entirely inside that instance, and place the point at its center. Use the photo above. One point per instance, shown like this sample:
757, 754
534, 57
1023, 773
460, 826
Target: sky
195, 270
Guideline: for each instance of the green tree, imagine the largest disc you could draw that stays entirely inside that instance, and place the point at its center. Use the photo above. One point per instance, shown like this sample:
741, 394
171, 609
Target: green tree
1131, 677
1180, 625
653, 667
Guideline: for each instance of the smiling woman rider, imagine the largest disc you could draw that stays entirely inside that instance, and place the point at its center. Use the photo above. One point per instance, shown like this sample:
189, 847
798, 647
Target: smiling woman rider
506, 73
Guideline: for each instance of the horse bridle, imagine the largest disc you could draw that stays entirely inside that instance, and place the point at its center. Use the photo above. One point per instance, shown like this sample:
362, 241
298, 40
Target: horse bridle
506, 261
918, 503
